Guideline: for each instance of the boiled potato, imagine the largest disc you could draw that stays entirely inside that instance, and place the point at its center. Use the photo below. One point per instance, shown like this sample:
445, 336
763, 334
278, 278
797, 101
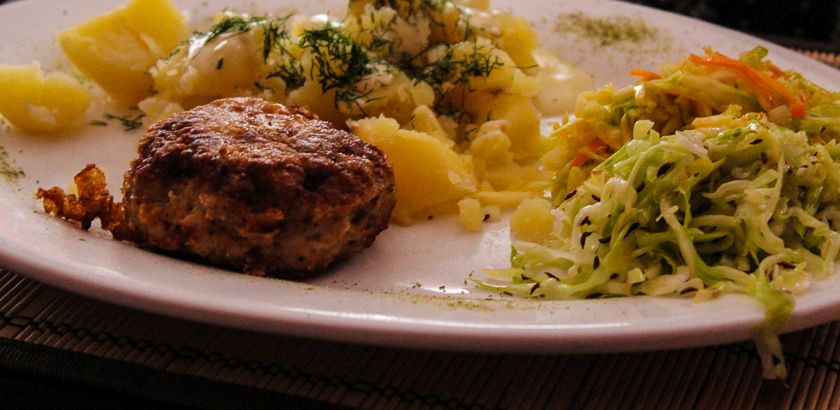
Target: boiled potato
116, 49
427, 172
518, 40
505, 199
519, 112
37, 103
482, 50
423, 119
532, 221
491, 146
226, 66
471, 214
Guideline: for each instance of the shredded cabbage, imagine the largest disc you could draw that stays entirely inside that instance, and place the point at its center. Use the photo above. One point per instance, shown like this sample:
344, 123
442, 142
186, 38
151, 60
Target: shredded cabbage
716, 175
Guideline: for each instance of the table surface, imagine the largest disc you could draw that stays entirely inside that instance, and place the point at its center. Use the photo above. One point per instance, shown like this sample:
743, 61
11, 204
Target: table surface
62, 350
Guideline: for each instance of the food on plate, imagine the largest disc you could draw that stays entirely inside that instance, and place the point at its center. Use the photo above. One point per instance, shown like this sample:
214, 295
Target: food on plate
718, 175
428, 172
39, 103
699, 86
117, 49
431, 73
465, 82
90, 201
247, 184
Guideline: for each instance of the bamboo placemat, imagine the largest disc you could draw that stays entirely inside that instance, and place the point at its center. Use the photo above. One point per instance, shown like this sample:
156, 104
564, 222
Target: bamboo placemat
831, 59
254, 369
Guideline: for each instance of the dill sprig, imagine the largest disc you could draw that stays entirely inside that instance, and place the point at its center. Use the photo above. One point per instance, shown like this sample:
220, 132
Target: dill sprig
381, 33
449, 69
287, 68
129, 123
275, 36
291, 72
235, 24
339, 61
274, 33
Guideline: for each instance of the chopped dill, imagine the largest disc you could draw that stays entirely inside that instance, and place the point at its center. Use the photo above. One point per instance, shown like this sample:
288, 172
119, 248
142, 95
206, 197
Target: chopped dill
229, 24
274, 33
232, 24
99, 123
451, 70
380, 42
454, 111
291, 72
339, 61
128, 123
274, 37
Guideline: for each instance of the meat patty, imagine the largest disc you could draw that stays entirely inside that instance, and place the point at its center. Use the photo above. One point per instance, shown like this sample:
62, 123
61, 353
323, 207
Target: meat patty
255, 186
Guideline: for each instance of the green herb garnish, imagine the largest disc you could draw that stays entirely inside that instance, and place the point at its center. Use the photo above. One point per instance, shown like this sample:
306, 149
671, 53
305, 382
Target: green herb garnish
10, 172
339, 62
128, 123
235, 24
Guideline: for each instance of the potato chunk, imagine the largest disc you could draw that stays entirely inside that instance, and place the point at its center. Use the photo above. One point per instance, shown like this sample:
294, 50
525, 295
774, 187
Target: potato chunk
471, 214
427, 172
41, 104
532, 221
117, 49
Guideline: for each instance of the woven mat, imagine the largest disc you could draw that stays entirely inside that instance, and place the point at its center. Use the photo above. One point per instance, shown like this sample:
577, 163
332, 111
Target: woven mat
271, 367
831, 59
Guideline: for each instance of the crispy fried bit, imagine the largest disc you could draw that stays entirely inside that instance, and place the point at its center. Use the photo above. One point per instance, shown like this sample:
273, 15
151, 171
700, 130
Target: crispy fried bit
93, 201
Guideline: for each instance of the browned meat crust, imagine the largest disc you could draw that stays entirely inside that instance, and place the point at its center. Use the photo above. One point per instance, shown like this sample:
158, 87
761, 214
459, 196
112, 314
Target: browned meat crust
93, 201
255, 186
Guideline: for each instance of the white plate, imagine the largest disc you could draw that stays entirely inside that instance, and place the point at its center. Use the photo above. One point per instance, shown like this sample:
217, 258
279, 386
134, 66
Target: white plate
409, 288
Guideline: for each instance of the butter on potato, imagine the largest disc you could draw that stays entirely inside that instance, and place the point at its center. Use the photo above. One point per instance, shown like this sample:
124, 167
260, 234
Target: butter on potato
116, 49
39, 103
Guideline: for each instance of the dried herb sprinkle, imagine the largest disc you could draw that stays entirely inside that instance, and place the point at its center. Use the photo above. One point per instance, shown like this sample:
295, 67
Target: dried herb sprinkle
605, 31
9, 171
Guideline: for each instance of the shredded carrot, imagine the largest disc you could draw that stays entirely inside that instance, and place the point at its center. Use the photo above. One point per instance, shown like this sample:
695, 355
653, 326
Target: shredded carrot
595, 147
644, 74
765, 86
774, 70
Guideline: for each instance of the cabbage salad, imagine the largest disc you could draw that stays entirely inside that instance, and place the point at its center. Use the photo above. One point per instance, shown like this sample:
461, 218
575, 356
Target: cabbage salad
716, 176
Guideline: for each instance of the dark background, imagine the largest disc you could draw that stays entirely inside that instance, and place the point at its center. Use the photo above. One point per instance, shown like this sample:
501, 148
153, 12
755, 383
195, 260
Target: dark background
806, 24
